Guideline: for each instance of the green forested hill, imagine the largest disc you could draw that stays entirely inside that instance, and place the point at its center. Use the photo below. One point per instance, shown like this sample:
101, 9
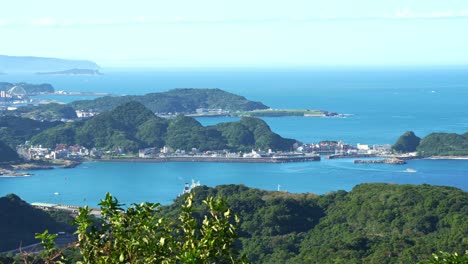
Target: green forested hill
131, 126
7, 153
444, 144
19, 222
16, 130
373, 223
408, 142
175, 101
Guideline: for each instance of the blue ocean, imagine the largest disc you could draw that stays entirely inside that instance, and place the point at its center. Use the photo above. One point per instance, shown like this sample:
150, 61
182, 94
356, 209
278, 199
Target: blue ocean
380, 103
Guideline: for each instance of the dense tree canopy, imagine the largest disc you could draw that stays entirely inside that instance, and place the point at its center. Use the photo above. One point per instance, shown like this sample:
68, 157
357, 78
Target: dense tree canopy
373, 223
16, 130
7, 153
175, 101
444, 144
132, 126
19, 221
408, 142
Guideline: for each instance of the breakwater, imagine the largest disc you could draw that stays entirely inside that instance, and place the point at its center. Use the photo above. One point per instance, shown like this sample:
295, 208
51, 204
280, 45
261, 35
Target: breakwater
218, 159
381, 161
350, 156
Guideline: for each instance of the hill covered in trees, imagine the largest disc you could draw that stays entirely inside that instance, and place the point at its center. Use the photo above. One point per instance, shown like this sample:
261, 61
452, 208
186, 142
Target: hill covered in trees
373, 223
444, 144
132, 126
408, 142
16, 130
175, 101
19, 222
7, 153
434, 144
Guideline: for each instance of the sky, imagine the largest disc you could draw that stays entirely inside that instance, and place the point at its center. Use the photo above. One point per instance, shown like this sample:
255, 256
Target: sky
238, 33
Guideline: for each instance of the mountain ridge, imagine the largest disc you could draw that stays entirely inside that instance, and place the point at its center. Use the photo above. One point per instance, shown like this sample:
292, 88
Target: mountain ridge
32, 64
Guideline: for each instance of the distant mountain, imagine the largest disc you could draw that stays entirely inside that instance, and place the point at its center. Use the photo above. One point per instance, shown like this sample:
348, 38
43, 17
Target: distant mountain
72, 72
29, 64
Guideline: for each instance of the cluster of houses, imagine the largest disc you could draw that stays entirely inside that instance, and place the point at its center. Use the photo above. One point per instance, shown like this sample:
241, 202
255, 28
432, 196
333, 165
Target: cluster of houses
61, 151
339, 147
77, 152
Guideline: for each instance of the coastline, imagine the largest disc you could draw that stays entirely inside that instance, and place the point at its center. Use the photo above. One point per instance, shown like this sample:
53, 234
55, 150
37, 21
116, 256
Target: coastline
447, 157
216, 159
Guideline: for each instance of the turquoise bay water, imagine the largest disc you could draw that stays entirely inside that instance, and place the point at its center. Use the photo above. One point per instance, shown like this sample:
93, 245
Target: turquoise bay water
162, 182
383, 104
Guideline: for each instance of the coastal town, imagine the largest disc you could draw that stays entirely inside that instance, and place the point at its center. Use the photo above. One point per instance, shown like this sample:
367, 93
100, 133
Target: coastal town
301, 152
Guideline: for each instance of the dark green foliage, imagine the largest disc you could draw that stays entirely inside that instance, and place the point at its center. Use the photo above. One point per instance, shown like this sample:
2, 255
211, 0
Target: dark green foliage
16, 130
63, 134
52, 111
237, 135
444, 144
373, 223
408, 142
175, 101
187, 133
7, 153
153, 132
139, 234
264, 137
19, 221
131, 126
390, 223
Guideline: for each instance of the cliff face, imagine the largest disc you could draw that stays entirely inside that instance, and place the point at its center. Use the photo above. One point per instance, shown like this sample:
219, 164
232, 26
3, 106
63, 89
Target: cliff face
26, 64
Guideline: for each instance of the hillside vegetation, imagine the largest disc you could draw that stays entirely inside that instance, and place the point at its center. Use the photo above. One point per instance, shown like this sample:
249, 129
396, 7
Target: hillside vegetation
373, 223
7, 153
444, 144
16, 130
19, 222
175, 101
408, 142
132, 126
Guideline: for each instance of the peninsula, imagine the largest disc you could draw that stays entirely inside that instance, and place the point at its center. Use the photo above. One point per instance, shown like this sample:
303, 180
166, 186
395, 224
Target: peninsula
187, 101
73, 72
29, 64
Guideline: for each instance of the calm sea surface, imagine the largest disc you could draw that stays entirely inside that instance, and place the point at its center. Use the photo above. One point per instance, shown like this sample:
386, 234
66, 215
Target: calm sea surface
382, 103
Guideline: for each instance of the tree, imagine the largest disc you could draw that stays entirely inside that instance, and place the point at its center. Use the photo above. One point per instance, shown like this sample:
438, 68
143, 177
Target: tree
140, 235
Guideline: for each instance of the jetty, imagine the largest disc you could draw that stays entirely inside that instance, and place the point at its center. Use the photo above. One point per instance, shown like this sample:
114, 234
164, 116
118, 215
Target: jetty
393, 161
274, 159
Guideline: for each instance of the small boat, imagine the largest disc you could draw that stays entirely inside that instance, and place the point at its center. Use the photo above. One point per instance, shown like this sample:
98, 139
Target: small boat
56, 193
410, 170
